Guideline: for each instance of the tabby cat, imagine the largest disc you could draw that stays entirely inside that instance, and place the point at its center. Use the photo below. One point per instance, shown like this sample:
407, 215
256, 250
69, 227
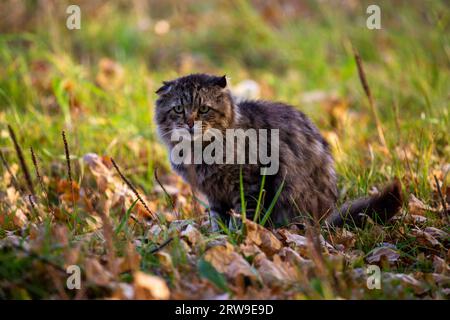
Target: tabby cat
306, 177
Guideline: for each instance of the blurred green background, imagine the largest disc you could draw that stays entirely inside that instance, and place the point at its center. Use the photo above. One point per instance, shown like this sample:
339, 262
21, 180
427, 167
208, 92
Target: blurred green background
98, 83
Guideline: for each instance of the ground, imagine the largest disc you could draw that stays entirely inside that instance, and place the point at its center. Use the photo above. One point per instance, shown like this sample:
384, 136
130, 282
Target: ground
97, 84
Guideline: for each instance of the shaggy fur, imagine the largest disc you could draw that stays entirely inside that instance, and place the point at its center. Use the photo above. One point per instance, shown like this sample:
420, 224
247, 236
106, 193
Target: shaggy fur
305, 163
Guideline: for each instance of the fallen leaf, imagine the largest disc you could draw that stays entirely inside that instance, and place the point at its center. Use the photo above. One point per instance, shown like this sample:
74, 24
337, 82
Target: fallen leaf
227, 261
276, 272
296, 239
96, 273
132, 259
417, 207
440, 265
294, 258
407, 281
123, 291
438, 233
262, 237
192, 234
441, 280
425, 238
301, 242
345, 238
68, 192
377, 254
249, 249
149, 287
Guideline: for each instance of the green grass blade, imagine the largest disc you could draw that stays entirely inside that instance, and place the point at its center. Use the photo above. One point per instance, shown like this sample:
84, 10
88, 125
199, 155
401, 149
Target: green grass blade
207, 271
272, 204
258, 204
125, 217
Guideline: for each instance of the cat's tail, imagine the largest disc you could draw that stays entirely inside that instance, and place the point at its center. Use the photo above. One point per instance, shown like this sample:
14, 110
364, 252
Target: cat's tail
380, 207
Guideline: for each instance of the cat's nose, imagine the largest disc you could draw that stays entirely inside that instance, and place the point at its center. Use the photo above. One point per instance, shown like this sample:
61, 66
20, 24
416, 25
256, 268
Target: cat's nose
190, 123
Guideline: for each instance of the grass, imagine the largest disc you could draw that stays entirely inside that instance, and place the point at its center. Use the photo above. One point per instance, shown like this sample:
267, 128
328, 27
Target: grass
97, 86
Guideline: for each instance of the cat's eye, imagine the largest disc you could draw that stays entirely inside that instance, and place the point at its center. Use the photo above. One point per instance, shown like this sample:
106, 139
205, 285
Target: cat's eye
203, 109
178, 109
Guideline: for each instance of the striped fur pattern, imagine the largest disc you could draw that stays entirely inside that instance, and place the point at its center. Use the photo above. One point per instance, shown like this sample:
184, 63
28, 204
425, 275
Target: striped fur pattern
306, 166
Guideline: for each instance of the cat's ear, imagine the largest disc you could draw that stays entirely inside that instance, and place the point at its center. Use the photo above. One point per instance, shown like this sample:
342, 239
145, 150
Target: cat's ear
165, 88
221, 81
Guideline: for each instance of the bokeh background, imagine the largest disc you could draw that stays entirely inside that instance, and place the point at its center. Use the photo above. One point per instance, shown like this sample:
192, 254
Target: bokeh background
97, 84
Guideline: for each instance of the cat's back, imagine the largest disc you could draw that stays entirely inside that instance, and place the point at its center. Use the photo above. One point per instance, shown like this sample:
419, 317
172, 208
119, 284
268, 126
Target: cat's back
261, 114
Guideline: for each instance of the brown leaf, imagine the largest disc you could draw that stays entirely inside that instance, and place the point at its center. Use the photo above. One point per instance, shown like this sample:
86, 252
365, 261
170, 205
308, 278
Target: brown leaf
150, 287
407, 280
132, 259
123, 291
68, 191
425, 238
96, 273
262, 237
296, 239
249, 249
276, 272
438, 233
442, 280
345, 238
377, 254
166, 263
294, 258
301, 242
229, 262
440, 265
192, 234
417, 207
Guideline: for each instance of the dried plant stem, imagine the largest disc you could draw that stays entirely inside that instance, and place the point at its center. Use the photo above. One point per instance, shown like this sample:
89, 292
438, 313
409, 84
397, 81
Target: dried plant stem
363, 79
69, 168
39, 176
441, 197
162, 245
130, 185
36, 168
165, 192
22, 162
8, 169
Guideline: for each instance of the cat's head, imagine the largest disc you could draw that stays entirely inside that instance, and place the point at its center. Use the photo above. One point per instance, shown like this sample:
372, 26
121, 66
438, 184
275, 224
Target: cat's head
194, 98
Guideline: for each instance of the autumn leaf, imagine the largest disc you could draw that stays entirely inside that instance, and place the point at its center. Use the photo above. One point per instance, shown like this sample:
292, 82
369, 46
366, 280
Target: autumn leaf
262, 237
96, 273
227, 261
192, 235
425, 238
378, 254
417, 207
276, 272
149, 287
68, 191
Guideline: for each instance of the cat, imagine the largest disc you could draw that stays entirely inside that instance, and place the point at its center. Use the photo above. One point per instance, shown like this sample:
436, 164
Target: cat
305, 185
